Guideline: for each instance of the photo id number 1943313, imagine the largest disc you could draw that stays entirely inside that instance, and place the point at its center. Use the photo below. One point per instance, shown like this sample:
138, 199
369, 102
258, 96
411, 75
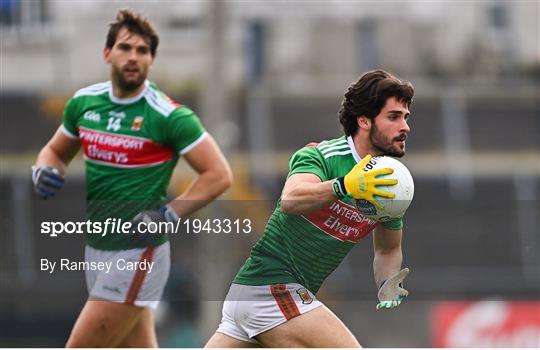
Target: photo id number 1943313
218, 226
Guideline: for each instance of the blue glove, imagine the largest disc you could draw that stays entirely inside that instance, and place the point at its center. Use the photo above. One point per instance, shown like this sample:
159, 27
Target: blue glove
47, 181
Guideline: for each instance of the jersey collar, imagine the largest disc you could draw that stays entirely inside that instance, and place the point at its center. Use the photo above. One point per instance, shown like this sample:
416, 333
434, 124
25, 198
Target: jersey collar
355, 155
125, 101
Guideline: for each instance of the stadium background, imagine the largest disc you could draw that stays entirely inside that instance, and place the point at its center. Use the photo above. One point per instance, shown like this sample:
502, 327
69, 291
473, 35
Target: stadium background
267, 78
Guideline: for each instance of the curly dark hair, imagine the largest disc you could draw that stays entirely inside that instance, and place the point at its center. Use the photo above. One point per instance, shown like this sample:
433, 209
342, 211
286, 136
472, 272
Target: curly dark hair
135, 23
367, 96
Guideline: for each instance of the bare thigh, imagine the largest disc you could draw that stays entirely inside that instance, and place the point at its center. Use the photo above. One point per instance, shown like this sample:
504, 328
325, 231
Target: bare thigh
220, 340
143, 334
103, 324
318, 328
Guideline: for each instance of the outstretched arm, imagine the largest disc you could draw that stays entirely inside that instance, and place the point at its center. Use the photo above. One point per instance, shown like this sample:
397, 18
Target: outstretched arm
387, 267
304, 193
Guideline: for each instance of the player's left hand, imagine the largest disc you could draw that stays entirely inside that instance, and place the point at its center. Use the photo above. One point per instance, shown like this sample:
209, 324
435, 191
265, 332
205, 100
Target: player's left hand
391, 293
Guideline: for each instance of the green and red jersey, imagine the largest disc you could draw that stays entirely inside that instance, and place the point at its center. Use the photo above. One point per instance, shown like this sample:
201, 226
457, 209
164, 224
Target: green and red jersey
131, 147
305, 249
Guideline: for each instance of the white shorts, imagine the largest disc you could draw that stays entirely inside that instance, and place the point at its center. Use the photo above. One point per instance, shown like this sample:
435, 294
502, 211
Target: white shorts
251, 310
135, 276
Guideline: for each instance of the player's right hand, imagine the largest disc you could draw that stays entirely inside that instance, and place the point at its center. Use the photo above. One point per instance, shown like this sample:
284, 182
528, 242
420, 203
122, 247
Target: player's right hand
164, 214
362, 184
47, 180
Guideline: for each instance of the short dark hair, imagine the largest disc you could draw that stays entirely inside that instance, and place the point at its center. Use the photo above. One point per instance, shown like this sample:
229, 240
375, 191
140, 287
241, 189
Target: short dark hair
135, 23
367, 96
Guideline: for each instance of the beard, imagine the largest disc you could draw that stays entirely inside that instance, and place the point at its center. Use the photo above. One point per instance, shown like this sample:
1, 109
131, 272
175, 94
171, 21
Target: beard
385, 145
126, 84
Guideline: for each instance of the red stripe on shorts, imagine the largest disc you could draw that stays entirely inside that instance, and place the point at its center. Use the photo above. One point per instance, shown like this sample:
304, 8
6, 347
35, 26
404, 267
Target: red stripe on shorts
290, 298
276, 295
284, 300
138, 278
282, 293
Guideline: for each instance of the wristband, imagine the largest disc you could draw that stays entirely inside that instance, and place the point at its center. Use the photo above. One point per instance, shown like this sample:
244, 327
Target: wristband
338, 187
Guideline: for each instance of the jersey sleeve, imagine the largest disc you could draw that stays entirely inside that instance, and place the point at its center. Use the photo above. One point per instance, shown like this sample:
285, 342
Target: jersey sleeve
70, 118
184, 130
308, 160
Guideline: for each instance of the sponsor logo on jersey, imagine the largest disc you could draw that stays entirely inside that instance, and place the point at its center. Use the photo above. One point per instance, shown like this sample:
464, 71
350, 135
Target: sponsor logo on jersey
304, 295
342, 221
122, 150
137, 123
92, 116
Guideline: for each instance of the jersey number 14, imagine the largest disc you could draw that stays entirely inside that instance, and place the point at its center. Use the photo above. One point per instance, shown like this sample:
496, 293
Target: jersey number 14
114, 124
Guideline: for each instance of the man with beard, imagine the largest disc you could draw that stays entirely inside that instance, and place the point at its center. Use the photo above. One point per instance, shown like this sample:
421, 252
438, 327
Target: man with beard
132, 135
272, 301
